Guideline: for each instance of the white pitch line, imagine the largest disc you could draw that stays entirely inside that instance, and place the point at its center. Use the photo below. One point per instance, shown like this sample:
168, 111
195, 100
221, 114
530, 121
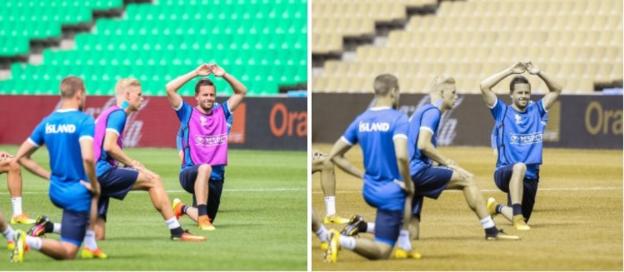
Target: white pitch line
607, 188
182, 191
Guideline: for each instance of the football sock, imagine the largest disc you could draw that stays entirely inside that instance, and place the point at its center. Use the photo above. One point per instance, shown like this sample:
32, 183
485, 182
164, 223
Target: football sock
34, 242
16, 202
202, 209
347, 242
8, 233
499, 208
517, 209
487, 222
322, 234
370, 227
330, 205
184, 208
56, 227
404, 240
89, 240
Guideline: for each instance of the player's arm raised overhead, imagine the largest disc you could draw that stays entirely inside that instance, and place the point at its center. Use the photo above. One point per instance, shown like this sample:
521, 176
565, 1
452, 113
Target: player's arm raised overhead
239, 89
554, 88
487, 84
173, 86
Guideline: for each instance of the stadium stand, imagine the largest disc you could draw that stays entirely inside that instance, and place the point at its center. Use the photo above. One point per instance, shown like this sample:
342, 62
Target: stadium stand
577, 41
156, 41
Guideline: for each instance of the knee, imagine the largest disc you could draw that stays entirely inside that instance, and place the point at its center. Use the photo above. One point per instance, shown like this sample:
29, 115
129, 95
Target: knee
14, 167
205, 169
519, 167
327, 165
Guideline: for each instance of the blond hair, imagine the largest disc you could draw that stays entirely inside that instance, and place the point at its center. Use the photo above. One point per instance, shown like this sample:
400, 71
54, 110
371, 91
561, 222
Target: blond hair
123, 84
438, 81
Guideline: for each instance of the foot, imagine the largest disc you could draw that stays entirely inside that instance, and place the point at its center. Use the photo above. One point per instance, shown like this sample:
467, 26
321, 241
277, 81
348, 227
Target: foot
186, 236
501, 235
203, 222
41, 224
22, 219
335, 219
324, 246
519, 223
10, 245
353, 226
331, 254
400, 253
87, 253
177, 207
491, 206
17, 254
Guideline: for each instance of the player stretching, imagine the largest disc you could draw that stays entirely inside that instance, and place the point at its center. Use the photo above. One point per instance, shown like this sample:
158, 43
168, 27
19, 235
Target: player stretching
328, 183
117, 181
14, 184
429, 180
204, 139
68, 135
519, 129
381, 132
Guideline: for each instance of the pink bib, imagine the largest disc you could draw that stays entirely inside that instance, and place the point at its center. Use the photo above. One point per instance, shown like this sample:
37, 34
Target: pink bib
207, 139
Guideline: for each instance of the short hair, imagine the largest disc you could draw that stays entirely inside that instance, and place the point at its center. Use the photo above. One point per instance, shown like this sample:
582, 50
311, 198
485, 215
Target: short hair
203, 82
518, 80
124, 83
440, 80
70, 86
384, 83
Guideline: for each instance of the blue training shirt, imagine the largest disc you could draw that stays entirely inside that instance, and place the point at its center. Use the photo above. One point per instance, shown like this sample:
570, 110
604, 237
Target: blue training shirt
375, 130
519, 135
218, 171
61, 132
184, 115
426, 117
116, 123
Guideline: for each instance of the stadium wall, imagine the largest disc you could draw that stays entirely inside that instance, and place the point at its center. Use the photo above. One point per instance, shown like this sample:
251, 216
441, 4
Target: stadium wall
575, 121
272, 123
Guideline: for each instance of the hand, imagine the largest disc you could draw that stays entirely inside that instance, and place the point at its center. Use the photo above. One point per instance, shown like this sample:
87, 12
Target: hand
216, 70
462, 172
4, 156
136, 164
94, 189
203, 70
518, 68
318, 156
449, 163
531, 68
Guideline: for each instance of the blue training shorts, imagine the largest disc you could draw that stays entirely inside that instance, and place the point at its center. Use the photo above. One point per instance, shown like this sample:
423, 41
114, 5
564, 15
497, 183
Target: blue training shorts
215, 188
115, 183
429, 182
388, 226
74, 227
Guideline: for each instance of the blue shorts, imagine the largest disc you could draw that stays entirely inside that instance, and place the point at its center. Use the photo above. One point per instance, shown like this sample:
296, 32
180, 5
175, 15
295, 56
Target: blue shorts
115, 183
71, 196
388, 226
429, 182
502, 176
74, 227
215, 188
387, 196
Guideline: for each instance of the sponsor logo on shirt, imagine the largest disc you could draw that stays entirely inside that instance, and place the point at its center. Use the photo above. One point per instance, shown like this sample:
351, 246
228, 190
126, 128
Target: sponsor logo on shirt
210, 140
59, 128
518, 119
526, 139
374, 127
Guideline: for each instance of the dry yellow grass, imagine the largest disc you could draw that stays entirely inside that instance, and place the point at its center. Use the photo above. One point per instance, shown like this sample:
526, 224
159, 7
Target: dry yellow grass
576, 224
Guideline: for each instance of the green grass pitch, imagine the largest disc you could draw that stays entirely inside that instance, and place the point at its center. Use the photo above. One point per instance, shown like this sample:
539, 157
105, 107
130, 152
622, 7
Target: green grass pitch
261, 224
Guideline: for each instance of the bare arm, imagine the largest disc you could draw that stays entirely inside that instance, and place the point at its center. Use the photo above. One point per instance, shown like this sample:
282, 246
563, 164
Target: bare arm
338, 150
239, 89
173, 86
88, 162
347, 167
400, 149
111, 147
23, 157
489, 97
554, 89
426, 147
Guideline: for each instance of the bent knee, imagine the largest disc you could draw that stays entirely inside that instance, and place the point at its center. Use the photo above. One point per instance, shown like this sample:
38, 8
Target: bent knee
205, 169
14, 167
519, 167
